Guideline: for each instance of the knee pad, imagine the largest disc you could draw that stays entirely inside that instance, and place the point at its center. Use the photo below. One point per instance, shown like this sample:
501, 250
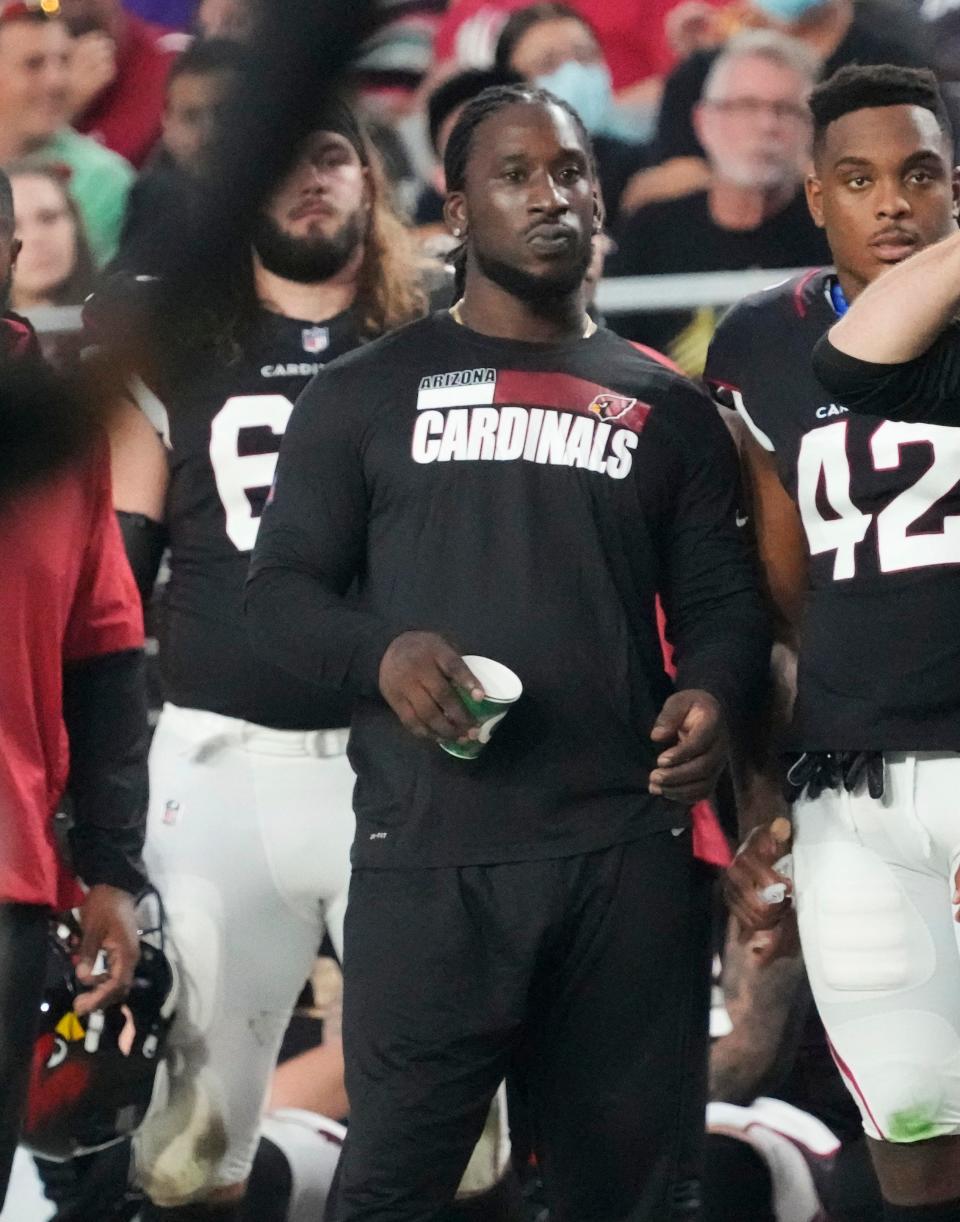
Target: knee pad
867, 936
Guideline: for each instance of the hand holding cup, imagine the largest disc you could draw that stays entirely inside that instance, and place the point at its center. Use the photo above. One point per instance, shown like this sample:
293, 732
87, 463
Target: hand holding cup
419, 676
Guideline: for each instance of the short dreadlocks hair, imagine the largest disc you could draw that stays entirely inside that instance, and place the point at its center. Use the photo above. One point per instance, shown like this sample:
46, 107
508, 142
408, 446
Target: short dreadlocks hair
484, 106
857, 87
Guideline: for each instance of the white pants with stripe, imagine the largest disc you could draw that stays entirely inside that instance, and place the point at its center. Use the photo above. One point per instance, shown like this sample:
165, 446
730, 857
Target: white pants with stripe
874, 883
248, 842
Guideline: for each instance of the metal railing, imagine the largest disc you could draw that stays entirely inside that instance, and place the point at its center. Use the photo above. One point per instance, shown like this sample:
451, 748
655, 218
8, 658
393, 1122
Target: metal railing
646, 294
620, 295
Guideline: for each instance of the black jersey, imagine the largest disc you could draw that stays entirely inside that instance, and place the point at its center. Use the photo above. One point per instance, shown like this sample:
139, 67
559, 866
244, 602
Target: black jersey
879, 660
224, 422
528, 502
925, 388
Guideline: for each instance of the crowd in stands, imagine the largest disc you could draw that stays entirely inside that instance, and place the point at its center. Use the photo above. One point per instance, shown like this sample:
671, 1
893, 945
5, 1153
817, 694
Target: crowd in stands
698, 114
697, 111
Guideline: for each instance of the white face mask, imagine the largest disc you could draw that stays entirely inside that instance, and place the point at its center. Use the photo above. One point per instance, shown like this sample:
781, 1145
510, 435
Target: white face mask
586, 87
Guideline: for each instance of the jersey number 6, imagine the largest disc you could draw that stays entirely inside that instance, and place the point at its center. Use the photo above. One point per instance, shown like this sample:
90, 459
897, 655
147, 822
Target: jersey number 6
236, 474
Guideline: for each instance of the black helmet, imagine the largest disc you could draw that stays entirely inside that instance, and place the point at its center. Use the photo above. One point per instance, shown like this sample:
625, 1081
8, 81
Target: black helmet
91, 1078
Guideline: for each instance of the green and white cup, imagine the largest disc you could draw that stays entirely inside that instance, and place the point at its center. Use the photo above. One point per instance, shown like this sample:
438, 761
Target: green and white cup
501, 689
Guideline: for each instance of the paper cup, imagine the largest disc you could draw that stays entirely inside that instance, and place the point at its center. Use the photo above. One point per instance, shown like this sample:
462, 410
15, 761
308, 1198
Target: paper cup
501, 689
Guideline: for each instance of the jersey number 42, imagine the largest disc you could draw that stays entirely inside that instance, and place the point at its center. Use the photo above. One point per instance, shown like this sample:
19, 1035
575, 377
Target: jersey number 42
823, 462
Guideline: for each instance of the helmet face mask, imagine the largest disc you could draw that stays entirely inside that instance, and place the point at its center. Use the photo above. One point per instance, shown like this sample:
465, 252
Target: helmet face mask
91, 1078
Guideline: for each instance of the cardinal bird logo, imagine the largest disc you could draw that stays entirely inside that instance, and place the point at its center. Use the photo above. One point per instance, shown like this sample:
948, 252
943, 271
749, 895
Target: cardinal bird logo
611, 407
621, 409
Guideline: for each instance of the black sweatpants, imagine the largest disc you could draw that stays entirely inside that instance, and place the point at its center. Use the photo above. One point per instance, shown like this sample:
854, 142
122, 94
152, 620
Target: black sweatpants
23, 960
586, 978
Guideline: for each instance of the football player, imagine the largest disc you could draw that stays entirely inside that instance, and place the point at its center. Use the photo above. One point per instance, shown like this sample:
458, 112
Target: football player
854, 521
897, 354
512, 912
250, 821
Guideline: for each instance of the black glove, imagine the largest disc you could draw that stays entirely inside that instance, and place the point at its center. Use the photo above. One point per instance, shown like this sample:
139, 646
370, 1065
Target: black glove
814, 771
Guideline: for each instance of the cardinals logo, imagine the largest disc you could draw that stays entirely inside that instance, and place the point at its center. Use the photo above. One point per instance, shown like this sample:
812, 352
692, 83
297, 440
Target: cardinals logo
620, 408
57, 1083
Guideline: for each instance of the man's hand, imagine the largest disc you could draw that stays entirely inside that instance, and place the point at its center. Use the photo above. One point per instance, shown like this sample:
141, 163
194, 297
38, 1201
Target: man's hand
108, 922
752, 870
417, 674
692, 26
671, 178
688, 770
93, 66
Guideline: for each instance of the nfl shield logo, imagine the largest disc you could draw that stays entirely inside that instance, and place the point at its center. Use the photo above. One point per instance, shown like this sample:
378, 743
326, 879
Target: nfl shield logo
315, 339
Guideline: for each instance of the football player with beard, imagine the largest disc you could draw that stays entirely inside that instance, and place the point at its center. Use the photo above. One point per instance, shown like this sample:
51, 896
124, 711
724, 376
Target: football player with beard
250, 821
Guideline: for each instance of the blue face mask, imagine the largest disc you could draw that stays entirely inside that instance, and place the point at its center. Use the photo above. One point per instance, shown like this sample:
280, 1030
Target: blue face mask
586, 87
788, 12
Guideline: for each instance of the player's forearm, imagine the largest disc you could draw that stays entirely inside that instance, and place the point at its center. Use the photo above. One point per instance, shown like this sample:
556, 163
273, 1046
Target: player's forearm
725, 651
105, 711
757, 758
898, 317
302, 626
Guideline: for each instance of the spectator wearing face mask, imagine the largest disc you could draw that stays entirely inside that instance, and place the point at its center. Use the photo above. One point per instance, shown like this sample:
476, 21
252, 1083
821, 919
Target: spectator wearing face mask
554, 47
755, 125
634, 36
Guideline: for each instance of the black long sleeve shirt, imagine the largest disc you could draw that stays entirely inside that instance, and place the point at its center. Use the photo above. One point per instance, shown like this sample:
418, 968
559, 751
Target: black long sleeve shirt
529, 502
925, 389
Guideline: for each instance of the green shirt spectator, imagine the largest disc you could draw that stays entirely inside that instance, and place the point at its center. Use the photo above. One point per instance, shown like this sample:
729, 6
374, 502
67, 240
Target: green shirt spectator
100, 182
34, 108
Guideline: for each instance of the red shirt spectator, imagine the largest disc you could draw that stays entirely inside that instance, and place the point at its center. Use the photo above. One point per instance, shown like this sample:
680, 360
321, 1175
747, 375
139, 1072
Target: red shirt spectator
67, 595
125, 113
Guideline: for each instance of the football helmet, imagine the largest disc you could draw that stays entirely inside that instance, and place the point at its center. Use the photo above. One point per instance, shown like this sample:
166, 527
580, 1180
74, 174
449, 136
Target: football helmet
91, 1078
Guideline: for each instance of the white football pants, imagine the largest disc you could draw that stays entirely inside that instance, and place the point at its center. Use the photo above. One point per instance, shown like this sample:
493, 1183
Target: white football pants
874, 883
248, 843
